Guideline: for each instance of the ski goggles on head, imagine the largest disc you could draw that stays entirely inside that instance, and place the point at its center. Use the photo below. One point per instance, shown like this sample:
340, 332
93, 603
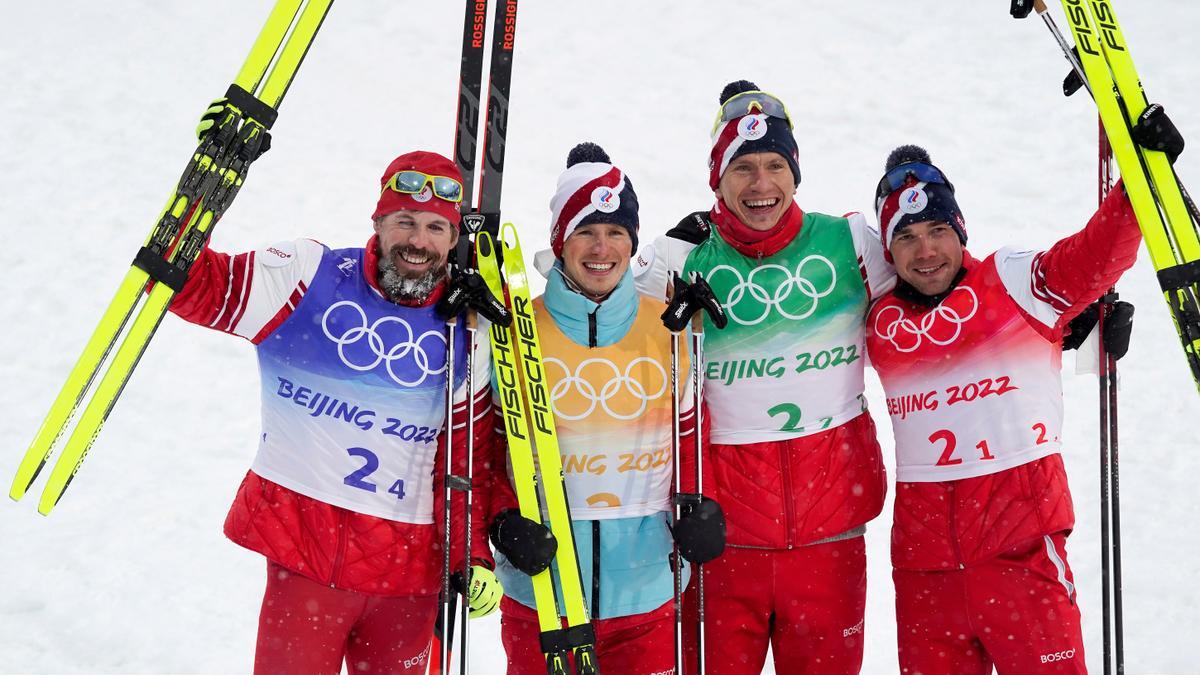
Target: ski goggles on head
896, 178
413, 182
749, 102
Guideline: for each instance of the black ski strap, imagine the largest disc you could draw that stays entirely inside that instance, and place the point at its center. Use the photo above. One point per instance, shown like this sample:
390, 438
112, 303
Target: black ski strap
1179, 277
251, 106
160, 270
567, 639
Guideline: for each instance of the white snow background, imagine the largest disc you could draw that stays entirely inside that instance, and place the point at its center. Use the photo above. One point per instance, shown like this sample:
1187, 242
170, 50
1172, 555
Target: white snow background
131, 573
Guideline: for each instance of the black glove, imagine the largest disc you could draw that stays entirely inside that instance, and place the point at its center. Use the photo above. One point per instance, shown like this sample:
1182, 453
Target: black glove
700, 531
694, 228
528, 545
1155, 131
1118, 325
1073, 82
1117, 328
255, 144
688, 299
1081, 327
1019, 9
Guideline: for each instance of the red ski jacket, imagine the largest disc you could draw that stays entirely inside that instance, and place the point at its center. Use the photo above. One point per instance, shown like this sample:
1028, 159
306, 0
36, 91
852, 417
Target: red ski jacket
1020, 304
242, 295
784, 494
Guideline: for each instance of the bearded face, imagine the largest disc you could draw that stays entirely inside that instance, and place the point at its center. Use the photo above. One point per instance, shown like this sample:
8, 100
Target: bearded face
414, 247
411, 287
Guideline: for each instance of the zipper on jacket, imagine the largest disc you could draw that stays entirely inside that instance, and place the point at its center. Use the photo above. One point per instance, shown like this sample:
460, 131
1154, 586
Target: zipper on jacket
340, 552
595, 569
592, 328
786, 474
953, 499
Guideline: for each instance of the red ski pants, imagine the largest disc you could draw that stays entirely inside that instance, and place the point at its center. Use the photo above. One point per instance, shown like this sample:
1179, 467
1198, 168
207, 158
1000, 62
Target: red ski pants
307, 628
642, 644
1016, 612
806, 603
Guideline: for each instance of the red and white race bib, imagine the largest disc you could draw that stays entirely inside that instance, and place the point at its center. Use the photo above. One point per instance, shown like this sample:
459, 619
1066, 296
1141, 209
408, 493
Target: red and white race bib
973, 385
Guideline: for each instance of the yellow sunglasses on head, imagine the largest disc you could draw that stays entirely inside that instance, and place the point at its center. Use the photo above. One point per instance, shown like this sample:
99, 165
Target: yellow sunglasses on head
413, 182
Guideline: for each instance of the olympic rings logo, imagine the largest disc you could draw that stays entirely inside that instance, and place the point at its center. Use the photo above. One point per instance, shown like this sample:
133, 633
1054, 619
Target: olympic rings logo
402, 352
761, 301
618, 383
932, 327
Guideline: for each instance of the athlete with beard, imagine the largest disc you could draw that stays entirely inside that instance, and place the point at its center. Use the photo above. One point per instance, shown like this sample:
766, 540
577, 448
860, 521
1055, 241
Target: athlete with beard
794, 459
970, 352
341, 495
607, 358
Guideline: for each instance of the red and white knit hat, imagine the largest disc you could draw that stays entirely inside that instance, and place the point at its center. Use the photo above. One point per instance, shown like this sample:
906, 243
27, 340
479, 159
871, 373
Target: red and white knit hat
591, 190
749, 133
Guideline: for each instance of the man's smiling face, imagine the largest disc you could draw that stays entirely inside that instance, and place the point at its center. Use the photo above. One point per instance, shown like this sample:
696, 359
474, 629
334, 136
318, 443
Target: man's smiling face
758, 188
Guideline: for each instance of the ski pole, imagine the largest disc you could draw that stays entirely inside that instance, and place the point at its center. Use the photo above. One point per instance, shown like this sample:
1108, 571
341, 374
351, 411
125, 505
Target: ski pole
674, 319
687, 304
707, 302
446, 616
471, 322
1110, 523
698, 412
466, 296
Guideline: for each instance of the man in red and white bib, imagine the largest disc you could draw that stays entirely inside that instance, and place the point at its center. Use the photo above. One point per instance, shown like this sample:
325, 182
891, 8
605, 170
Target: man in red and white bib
970, 352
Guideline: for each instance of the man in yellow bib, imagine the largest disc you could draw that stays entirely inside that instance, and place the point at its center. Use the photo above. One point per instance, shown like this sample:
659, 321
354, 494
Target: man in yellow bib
608, 361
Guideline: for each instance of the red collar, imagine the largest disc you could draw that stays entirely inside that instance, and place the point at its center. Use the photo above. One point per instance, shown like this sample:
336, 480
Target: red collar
371, 275
757, 243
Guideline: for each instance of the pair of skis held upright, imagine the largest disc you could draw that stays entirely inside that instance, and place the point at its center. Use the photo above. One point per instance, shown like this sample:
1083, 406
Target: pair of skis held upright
209, 184
516, 356
1166, 214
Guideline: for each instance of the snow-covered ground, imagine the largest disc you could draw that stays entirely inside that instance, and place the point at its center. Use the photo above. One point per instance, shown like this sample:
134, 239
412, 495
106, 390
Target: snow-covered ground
131, 573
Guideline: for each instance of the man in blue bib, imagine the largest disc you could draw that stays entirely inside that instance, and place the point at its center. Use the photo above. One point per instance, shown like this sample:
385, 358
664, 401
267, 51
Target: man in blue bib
342, 492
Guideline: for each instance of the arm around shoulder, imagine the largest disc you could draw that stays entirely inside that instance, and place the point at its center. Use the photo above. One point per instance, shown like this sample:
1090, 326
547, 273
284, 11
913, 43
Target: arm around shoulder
655, 264
878, 275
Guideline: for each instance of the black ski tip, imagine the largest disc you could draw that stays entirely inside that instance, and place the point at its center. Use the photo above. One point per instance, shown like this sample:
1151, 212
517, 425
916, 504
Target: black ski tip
907, 154
587, 152
736, 87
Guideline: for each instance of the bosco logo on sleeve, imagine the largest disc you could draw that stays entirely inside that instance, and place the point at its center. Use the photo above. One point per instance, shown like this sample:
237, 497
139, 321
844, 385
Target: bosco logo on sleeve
277, 255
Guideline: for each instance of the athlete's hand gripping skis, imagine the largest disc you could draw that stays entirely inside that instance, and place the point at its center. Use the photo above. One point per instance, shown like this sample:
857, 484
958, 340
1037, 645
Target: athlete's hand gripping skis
211, 180
529, 425
1144, 147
